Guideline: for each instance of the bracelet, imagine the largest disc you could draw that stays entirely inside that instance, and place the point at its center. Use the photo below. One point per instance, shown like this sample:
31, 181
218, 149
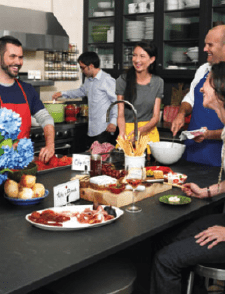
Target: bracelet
209, 193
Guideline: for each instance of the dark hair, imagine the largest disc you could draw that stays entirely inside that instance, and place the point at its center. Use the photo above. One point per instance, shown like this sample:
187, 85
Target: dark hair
217, 80
8, 40
130, 77
88, 58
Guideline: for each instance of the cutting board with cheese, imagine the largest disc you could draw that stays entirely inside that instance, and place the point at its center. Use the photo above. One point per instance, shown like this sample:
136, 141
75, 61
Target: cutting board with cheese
124, 198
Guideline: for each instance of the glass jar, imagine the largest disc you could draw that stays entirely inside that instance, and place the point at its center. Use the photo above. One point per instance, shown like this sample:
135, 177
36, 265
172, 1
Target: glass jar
96, 165
70, 113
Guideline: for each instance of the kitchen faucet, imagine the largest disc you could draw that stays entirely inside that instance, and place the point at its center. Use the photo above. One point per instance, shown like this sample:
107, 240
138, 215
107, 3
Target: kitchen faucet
135, 116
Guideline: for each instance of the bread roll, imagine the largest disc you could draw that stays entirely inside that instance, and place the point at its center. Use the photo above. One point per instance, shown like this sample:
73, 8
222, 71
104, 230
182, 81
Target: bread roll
28, 181
11, 188
39, 190
26, 193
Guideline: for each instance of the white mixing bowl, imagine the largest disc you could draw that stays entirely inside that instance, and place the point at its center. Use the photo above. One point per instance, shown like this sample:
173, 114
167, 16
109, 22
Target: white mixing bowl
166, 152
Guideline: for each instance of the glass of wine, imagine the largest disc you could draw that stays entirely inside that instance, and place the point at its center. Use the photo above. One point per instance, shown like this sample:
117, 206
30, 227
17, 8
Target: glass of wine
134, 177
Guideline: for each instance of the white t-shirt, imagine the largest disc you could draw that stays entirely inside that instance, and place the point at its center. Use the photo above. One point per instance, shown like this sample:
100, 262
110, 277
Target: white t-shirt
201, 71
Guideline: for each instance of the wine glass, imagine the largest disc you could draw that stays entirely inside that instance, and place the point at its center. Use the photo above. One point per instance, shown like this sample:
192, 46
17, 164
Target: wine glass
134, 177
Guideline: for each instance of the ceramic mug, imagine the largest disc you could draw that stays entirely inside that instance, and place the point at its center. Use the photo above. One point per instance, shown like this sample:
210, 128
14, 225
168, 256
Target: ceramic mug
143, 7
132, 8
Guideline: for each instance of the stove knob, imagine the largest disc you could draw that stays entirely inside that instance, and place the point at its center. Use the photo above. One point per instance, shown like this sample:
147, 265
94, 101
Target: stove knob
38, 137
59, 134
68, 133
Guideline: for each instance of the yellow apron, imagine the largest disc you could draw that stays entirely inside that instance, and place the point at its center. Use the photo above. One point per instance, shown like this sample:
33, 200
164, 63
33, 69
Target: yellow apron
153, 134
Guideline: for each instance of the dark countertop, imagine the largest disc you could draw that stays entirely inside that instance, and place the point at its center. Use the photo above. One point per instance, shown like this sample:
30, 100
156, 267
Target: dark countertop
31, 257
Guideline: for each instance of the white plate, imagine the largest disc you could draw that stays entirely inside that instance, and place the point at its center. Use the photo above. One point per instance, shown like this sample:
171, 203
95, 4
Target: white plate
73, 224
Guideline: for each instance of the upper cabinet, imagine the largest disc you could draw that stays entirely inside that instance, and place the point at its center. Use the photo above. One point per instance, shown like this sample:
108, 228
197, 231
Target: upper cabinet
218, 11
178, 27
101, 35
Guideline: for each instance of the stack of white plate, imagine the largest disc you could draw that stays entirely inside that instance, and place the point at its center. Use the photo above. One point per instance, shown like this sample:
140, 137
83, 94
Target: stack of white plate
172, 4
135, 30
192, 3
149, 27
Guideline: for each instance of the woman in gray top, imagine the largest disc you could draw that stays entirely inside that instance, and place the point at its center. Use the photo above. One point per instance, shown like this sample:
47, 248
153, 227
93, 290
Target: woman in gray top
144, 90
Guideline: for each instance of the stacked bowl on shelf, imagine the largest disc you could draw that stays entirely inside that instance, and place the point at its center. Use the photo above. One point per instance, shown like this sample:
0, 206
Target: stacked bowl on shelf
99, 33
135, 30
105, 8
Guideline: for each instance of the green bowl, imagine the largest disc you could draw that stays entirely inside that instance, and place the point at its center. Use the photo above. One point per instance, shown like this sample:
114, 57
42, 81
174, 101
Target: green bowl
31, 169
99, 36
100, 28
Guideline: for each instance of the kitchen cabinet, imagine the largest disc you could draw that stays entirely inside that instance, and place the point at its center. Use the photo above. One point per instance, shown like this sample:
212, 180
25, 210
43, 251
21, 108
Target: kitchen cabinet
218, 11
174, 29
102, 32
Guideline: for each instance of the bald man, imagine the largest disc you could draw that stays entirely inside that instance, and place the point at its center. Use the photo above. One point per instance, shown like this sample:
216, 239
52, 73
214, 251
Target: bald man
205, 149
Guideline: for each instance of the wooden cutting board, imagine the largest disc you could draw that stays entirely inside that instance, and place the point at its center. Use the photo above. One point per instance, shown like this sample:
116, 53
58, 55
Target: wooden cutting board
124, 198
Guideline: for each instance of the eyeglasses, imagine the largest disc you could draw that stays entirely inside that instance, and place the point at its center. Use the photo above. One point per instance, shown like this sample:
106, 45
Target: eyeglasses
83, 67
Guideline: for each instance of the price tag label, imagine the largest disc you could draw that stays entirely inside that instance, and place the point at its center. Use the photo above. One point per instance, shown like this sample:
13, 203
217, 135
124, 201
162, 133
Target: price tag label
66, 193
81, 162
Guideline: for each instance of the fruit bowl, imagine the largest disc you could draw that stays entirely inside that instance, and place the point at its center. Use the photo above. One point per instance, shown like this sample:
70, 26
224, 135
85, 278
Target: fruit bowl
31, 169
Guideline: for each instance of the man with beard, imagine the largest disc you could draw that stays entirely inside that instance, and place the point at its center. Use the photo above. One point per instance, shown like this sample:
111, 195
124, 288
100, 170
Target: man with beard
21, 97
206, 148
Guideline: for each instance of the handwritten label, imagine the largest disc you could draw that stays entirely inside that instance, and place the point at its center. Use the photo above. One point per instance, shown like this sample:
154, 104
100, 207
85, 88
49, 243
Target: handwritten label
66, 193
81, 162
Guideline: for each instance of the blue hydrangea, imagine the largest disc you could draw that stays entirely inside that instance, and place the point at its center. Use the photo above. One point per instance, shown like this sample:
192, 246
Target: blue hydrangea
10, 123
19, 158
3, 177
7, 159
24, 154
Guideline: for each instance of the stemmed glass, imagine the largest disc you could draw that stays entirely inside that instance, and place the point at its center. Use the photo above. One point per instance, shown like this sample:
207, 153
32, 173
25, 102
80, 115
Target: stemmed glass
134, 177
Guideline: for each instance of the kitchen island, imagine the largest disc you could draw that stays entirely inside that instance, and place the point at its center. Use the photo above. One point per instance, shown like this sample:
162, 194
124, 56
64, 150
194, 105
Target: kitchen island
31, 258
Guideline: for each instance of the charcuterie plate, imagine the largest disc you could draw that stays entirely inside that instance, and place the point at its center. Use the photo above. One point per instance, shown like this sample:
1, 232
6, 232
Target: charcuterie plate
183, 200
73, 223
25, 202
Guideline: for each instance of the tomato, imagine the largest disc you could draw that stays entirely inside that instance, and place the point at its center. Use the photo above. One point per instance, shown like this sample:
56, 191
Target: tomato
65, 160
53, 162
175, 181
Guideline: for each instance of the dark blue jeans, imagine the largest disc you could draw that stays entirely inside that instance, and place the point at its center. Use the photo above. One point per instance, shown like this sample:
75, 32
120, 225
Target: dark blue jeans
180, 251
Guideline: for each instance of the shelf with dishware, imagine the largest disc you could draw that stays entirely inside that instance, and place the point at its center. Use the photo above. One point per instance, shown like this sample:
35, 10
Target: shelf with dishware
172, 24
218, 11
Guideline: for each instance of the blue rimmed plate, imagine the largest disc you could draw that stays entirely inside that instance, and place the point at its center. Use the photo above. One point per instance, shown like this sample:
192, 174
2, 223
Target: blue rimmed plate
23, 202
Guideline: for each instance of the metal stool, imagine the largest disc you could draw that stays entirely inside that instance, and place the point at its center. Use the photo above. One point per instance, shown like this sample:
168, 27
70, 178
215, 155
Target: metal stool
109, 276
208, 271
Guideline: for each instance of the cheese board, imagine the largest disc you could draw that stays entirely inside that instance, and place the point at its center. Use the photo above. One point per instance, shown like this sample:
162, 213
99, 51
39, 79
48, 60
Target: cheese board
124, 198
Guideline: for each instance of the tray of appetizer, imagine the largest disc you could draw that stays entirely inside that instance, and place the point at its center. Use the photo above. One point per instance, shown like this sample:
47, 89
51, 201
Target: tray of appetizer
57, 162
75, 217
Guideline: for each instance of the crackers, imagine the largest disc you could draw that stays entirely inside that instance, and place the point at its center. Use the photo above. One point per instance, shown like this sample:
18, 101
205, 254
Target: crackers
127, 146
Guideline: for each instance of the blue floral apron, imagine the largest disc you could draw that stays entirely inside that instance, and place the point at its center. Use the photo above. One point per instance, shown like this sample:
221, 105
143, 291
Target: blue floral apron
209, 151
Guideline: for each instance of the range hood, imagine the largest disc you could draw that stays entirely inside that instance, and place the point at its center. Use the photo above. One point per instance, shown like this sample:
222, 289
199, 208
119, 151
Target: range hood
36, 30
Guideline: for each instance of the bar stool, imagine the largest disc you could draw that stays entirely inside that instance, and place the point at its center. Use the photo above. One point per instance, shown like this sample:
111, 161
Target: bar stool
208, 271
109, 276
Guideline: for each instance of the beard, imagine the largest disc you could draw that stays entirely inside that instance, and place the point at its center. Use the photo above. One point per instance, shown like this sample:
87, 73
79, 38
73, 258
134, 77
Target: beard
7, 69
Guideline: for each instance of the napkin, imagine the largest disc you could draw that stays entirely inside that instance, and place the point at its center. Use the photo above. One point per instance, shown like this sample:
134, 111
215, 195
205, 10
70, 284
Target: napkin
191, 134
